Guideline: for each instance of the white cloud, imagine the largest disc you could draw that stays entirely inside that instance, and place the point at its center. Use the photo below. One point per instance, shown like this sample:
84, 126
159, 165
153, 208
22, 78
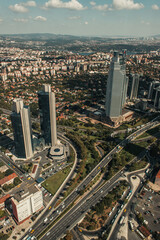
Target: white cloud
74, 17
86, 23
92, 3
30, 4
155, 7
40, 18
23, 20
101, 7
18, 8
1, 20
22, 7
145, 23
72, 4
127, 4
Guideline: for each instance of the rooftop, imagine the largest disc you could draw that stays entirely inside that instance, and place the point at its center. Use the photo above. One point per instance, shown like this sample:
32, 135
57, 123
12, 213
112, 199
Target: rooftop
158, 174
8, 178
24, 193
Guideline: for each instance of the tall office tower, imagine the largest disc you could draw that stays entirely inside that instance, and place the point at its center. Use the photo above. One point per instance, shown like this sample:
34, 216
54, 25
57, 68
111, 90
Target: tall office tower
152, 91
157, 98
116, 87
21, 123
133, 86
47, 107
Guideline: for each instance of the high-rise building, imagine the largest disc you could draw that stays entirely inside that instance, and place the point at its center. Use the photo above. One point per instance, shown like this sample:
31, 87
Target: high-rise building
157, 98
21, 123
152, 89
26, 202
47, 108
133, 86
116, 91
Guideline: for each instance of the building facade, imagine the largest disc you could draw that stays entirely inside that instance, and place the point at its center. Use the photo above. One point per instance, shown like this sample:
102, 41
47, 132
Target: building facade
26, 202
157, 98
133, 86
117, 84
21, 123
47, 108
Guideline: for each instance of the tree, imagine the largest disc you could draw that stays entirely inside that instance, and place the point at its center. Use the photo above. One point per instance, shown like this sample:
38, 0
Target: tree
8, 172
16, 181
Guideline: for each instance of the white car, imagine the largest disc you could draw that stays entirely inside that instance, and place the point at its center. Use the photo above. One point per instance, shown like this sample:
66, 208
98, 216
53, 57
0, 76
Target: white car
48, 233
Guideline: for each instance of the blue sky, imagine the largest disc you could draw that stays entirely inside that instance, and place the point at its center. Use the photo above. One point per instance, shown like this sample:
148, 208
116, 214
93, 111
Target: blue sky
81, 17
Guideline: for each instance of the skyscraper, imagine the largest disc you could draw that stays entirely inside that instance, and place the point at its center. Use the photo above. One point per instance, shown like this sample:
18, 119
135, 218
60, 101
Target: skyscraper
157, 98
21, 123
152, 89
47, 107
116, 91
133, 86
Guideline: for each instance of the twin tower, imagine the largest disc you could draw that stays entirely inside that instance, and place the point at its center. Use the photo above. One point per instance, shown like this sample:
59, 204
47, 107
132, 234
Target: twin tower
21, 123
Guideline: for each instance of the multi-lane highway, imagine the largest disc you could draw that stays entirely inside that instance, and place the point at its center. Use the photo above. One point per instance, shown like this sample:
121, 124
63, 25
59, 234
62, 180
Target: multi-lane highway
75, 213
38, 227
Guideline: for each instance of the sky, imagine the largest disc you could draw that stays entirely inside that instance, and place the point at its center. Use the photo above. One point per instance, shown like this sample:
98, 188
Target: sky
81, 17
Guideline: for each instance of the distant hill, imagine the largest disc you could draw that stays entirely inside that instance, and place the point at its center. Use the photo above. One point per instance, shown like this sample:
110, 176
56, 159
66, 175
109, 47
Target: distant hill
47, 36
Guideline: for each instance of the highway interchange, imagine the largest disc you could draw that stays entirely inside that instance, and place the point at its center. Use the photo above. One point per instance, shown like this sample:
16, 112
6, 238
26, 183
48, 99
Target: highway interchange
75, 213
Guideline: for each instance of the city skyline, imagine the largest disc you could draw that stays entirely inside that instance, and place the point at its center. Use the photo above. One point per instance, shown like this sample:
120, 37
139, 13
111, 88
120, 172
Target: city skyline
79, 17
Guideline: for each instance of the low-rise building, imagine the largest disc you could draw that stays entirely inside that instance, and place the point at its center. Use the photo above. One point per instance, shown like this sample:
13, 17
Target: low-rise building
157, 180
26, 202
8, 179
3, 200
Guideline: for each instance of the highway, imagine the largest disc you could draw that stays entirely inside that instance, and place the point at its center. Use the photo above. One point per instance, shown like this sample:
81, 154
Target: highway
75, 214
38, 227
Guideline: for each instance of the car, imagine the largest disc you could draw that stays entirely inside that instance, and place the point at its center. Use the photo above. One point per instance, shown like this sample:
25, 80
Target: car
49, 207
48, 233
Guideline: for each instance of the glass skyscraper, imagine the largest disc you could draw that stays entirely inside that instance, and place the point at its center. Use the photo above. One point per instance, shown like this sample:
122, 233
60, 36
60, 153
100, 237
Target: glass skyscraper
21, 123
133, 86
117, 84
46, 101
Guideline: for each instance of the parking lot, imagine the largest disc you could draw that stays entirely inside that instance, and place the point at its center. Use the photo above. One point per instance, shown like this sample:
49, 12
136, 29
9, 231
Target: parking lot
149, 206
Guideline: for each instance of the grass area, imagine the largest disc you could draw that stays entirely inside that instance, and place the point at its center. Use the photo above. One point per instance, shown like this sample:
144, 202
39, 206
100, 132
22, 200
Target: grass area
53, 183
71, 158
138, 165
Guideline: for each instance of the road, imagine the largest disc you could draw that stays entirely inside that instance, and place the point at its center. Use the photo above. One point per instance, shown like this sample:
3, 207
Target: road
75, 214
71, 198
11, 164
